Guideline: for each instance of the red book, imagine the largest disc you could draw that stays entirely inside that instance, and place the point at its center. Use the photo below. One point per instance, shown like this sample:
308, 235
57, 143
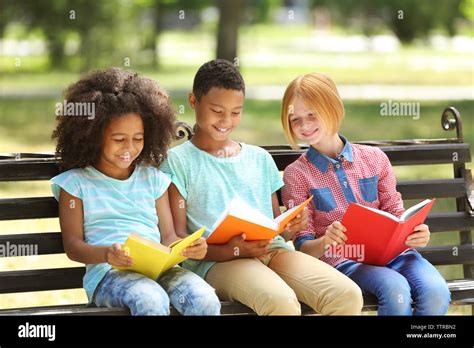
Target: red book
376, 237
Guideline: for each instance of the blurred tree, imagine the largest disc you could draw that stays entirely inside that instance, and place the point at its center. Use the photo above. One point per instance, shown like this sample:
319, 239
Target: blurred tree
58, 19
408, 19
161, 9
261, 9
8, 10
467, 9
230, 13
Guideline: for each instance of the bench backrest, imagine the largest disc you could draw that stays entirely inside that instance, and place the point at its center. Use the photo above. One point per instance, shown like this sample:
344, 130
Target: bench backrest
29, 167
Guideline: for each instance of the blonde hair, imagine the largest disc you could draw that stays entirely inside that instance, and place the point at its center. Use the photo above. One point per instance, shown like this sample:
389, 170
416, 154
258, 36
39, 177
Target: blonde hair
319, 93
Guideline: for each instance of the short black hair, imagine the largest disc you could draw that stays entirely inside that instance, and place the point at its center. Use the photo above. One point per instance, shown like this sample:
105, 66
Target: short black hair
218, 73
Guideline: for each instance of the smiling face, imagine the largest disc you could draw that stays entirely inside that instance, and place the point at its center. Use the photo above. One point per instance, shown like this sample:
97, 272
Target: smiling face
122, 143
305, 124
218, 113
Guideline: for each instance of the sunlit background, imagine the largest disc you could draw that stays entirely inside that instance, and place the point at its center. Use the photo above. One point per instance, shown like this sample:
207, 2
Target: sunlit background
375, 50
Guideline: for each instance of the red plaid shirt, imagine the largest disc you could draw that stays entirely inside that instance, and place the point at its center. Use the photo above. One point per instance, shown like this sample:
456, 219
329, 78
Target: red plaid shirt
361, 174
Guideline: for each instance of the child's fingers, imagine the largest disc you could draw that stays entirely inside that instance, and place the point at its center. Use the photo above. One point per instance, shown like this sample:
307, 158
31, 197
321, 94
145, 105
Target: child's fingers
300, 225
120, 261
419, 234
421, 227
123, 257
338, 233
195, 254
416, 244
198, 242
195, 249
333, 235
339, 226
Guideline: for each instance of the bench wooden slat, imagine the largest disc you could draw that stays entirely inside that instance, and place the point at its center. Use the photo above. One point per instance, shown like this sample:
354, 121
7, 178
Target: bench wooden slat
41, 279
428, 154
28, 208
398, 155
434, 188
51, 242
462, 292
421, 189
44, 169
26, 170
456, 221
449, 255
45, 243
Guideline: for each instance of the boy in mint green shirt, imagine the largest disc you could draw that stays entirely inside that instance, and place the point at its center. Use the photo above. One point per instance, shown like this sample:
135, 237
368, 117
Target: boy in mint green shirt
212, 169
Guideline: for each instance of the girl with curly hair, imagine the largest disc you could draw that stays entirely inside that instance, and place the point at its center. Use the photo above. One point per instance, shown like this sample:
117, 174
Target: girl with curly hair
111, 187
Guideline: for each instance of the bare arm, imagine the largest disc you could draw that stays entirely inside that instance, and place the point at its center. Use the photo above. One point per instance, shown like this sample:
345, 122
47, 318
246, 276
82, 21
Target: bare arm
165, 220
175, 208
71, 219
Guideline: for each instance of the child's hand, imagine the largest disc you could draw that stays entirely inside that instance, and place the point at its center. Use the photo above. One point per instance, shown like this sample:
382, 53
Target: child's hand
197, 249
242, 248
118, 257
335, 234
299, 223
419, 238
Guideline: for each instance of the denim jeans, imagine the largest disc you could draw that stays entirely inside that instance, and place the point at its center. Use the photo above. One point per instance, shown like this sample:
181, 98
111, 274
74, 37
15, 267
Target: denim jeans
186, 291
407, 278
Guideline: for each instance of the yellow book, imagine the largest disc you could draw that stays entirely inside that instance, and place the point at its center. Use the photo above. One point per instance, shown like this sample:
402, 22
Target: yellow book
151, 259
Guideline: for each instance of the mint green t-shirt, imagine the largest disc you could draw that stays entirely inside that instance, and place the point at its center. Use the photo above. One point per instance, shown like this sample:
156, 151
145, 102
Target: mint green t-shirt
113, 209
208, 184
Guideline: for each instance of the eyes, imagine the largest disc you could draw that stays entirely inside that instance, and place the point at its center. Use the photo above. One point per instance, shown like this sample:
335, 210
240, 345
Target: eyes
297, 119
121, 140
220, 112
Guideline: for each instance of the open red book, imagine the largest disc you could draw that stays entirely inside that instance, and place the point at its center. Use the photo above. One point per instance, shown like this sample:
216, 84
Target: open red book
378, 236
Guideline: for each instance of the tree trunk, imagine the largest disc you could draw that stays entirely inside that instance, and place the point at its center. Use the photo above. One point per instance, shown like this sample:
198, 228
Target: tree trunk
227, 34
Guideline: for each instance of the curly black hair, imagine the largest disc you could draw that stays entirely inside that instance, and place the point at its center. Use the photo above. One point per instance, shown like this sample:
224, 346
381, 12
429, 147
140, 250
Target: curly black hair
114, 92
218, 73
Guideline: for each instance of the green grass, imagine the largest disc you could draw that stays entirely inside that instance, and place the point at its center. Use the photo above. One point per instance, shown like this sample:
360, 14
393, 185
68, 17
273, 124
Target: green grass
26, 124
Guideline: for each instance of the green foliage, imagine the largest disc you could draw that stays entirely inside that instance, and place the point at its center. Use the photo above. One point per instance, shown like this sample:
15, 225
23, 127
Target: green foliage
408, 19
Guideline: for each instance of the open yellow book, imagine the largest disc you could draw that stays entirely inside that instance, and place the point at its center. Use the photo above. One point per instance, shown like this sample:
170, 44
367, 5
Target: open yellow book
151, 259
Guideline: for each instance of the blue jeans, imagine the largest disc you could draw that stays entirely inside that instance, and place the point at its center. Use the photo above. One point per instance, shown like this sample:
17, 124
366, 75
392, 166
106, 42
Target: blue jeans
186, 291
407, 278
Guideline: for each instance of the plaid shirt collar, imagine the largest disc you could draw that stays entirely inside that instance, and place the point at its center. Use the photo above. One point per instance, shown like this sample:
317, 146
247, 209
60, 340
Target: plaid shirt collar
322, 161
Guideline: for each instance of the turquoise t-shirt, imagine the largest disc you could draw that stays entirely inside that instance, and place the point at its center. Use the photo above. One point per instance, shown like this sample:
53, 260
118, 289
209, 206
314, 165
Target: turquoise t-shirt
208, 183
113, 209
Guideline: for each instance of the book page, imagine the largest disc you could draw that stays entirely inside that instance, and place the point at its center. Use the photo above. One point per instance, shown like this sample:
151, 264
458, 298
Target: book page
413, 210
242, 210
150, 243
178, 247
290, 214
282, 216
380, 212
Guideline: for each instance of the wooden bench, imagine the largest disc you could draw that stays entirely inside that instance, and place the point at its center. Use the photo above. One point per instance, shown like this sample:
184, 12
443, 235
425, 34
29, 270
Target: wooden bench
33, 166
